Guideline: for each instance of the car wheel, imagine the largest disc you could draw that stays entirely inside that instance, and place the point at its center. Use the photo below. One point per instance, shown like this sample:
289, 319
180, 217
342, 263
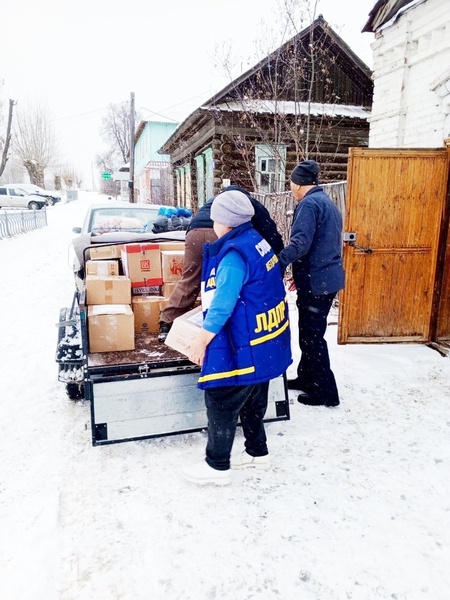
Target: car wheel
75, 391
33, 206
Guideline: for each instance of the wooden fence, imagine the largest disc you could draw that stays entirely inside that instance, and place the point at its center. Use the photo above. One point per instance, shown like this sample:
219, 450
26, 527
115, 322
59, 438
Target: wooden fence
281, 206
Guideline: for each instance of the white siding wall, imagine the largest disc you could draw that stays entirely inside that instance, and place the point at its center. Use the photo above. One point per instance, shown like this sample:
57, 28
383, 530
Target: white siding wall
409, 56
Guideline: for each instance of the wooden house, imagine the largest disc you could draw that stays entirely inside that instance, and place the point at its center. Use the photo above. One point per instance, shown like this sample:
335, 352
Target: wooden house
311, 98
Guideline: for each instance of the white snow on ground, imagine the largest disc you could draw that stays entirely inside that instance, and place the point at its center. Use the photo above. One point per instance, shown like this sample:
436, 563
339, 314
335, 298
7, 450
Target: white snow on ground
356, 506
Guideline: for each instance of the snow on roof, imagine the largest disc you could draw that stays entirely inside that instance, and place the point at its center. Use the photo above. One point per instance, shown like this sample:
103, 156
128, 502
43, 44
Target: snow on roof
292, 108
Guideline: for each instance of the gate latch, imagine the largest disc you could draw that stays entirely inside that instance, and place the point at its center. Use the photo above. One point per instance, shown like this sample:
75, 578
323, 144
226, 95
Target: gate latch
350, 238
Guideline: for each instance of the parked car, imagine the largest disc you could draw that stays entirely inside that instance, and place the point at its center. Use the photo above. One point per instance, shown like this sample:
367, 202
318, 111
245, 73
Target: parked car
116, 222
16, 197
119, 216
30, 188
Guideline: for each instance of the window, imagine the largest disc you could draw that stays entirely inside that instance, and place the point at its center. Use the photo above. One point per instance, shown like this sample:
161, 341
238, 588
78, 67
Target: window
270, 168
200, 168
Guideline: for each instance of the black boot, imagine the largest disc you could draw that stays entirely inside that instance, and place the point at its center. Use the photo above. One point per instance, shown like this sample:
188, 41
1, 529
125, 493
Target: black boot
312, 401
164, 329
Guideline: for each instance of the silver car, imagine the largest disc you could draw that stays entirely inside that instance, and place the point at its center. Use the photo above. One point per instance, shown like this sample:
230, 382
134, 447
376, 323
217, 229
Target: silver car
16, 197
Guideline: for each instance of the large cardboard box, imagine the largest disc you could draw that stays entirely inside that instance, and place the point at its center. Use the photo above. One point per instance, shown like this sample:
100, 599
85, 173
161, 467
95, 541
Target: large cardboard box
102, 267
111, 328
172, 265
142, 264
108, 289
104, 252
146, 313
184, 330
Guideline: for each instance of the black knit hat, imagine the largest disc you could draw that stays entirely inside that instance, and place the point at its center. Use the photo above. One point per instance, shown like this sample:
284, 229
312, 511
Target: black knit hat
306, 173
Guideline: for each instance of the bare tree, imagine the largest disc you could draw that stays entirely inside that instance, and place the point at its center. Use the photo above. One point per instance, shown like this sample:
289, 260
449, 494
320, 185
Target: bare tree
116, 131
295, 74
70, 175
7, 140
34, 140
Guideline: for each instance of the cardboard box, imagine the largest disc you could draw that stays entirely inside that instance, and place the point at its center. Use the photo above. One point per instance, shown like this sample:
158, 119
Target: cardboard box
111, 328
167, 288
102, 267
104, 252
185, 329
163, 304
146, 313
172, 265
171, 246
108, 290
142, 264
147, 290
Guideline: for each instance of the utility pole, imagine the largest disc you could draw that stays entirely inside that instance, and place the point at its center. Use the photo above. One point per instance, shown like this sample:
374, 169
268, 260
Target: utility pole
131, 181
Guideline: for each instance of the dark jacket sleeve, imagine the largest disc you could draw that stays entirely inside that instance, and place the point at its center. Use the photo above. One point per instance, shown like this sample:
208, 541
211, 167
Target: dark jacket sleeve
265, 225
262, 221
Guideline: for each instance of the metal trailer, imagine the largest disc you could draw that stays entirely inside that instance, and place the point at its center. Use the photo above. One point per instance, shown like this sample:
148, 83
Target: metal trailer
145, 393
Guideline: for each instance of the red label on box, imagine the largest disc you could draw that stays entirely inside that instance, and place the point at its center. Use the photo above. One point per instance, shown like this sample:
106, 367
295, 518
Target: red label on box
145, 265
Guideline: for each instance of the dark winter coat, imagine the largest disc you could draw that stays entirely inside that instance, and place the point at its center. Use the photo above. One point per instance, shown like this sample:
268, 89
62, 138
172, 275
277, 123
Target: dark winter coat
262, 221
315, 245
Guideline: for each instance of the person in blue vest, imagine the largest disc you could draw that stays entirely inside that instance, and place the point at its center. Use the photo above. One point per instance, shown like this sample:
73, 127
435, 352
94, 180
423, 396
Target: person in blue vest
244, 341
314, 250
199, 232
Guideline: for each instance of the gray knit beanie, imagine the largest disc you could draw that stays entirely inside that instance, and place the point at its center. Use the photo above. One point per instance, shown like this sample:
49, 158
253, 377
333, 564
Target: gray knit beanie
232, 209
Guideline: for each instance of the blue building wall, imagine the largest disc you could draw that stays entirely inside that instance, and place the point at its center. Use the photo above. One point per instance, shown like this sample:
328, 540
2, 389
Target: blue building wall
153, 136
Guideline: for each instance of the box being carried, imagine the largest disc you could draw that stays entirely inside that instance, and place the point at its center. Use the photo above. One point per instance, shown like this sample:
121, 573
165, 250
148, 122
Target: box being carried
108, 290
111, 328
184, 330
142, 264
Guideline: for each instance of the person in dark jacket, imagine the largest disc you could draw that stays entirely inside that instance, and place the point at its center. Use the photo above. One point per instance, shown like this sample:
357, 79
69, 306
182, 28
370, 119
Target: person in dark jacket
244, 341
200, 232
314, 251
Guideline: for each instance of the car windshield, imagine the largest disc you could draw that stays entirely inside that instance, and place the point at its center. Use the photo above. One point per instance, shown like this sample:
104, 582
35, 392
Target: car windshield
136, 220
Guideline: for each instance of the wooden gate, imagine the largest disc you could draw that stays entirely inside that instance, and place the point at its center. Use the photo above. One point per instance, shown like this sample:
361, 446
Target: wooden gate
396, 222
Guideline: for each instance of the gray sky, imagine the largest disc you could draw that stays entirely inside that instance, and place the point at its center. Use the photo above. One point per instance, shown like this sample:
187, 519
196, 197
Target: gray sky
81, 57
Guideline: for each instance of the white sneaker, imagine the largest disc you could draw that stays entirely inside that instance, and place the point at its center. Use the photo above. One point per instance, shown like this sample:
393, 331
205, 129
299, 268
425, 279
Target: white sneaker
245, 461
201, 473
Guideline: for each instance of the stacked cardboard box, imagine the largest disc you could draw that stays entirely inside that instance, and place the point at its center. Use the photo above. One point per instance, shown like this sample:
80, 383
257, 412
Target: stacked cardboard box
146, 311
142, 280
111, 327
153, 270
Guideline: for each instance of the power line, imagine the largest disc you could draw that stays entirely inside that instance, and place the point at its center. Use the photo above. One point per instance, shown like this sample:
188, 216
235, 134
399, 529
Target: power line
87, 113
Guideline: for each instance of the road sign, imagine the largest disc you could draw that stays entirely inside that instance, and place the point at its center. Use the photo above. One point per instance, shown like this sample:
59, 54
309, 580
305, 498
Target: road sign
106, 175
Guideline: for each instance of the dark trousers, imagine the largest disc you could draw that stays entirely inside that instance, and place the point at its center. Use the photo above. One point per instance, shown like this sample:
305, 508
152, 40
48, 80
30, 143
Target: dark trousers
223, 406
314, 372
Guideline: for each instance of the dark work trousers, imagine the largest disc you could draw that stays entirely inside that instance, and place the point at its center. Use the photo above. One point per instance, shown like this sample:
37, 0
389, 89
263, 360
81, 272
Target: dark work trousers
314, 372
223, 406
187, 289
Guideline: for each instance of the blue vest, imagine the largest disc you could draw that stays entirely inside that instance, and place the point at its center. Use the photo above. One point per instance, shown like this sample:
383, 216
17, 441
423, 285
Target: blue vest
255, 344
